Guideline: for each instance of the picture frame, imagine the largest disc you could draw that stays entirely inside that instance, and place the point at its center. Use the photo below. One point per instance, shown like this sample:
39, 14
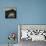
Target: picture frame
10, 12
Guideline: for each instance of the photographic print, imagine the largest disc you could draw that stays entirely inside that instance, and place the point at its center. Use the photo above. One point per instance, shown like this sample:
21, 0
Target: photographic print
10, 13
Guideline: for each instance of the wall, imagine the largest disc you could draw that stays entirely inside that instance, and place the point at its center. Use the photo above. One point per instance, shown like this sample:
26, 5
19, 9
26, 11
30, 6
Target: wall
28, 12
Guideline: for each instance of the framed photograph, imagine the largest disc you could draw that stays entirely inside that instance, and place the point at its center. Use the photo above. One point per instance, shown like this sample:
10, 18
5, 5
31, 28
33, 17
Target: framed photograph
10, 13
